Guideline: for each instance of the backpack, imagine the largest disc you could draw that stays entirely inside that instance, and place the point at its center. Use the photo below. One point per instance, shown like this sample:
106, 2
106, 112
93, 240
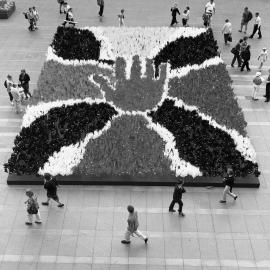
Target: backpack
33, 206
257, 80
5, 84
250, 16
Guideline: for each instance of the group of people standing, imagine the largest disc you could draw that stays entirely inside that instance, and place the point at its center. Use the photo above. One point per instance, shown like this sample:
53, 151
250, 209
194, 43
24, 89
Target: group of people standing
32, 16
18, 91
175, 11
65, 8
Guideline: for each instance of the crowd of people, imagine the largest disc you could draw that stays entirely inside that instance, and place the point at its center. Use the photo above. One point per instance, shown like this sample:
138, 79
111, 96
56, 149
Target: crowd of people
32, 16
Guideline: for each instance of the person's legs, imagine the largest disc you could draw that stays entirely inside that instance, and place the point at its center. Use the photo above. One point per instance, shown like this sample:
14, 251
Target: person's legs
243, 65
255, 91
247, 65
47, 202
259, 32
180, 209
246, 24
233, 60
101, 10
226, 38
127, 237
267, 92
140, 234
225, 192
38, 218
241, 26
30, 219
10, 97
238, 59
255, 28
232, 194
172, 205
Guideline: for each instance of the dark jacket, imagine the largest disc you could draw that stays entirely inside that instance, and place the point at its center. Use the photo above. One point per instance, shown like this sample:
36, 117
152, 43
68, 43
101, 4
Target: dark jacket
24, 78
229, 180
246, 55
175, 11
51, 187
177, 194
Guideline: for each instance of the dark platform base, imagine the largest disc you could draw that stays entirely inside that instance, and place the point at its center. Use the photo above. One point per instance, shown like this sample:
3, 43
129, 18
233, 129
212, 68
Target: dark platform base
247, 182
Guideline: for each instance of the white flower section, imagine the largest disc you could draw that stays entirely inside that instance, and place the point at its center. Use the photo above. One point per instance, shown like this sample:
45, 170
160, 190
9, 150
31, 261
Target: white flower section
34, 112
64, 161
178, 165
243, 144
183, 71
52, 56
145, 42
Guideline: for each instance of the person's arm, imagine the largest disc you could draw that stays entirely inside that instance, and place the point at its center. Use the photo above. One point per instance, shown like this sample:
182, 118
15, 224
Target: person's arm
178, 11
223, 28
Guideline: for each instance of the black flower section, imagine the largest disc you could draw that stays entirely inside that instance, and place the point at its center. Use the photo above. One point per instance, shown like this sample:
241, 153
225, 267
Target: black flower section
61, 126
188, 50
201, 144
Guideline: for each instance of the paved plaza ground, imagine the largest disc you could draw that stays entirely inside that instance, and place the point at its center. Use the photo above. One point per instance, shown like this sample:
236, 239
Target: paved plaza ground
86, 233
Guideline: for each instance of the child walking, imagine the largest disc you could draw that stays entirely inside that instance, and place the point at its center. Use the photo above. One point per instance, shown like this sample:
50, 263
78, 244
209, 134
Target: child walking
262, 57
121, 18
32, 207
229, 183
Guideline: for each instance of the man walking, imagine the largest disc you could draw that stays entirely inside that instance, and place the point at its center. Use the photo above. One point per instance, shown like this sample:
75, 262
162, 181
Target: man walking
101, 7
257, 26
177, 198
227, 31
133, 225
24, 80
236, 53
210, 9
229, 182
246, 17
245, 55
50, 184
174, 11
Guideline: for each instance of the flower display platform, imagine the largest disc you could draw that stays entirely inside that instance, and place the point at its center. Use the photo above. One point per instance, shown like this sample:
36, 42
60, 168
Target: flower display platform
6, 9
134, 105
249, 181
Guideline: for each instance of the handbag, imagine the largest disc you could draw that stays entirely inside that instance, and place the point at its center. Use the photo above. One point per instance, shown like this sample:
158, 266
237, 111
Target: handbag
32, 210
234, 50
230, 38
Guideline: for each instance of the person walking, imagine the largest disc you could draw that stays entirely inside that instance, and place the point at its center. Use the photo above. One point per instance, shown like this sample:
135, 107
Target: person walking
32, 207
101, 7
8, 84
36, 17
262, 57
133, 225
236, 53
69, 18
210, 10
17, 98
50, 184
177, 198
227, 31
245, 55
66, 7
174, 11
185, 18
257, 82
121, 18
257, 26
246, 17
229, 183
267, 88
61, 5
24, 79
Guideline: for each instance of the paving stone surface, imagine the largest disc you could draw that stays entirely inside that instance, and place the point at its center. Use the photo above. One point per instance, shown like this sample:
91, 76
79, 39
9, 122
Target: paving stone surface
86, 233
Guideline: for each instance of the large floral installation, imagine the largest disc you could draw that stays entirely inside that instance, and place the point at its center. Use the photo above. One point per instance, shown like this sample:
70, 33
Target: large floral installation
133, 101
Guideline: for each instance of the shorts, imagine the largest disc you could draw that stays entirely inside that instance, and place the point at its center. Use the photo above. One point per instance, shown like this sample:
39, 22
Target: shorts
54, 197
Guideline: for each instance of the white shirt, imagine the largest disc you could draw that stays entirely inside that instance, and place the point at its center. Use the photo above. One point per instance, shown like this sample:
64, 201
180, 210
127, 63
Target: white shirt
210, 7
186, 15
227, 28
263, 56
66, 8
258, 21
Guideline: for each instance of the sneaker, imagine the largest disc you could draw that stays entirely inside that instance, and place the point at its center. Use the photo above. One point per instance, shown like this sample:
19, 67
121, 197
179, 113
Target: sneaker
45, 203
28, 223
146, 240
240, 31
235, 198
181, 214
60, 205
221, 201
259, 37
172, 210
232, 65
38, 222
126, 242
255, 99
250, 37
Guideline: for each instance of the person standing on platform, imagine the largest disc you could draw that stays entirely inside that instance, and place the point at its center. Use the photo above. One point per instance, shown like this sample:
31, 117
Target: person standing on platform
101, 7
210, 10
185, 18
227, 31
174, 11
267, 89
50, 184
17, 98
177, 198
245, 55
229, 183
133, 225
8, 84
257, 26
121, 18
257, 82
61, 5
246, 17
24, 79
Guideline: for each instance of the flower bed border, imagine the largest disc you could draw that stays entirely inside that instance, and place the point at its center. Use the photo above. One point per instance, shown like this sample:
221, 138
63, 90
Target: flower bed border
5, 14
249, 181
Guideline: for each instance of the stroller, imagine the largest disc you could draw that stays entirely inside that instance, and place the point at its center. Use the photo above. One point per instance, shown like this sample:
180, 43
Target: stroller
207, 19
